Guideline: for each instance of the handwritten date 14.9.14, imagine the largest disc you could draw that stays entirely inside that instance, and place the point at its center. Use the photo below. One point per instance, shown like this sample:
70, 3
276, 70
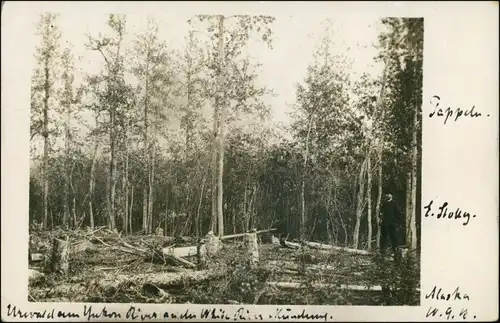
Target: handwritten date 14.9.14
449, 313
444, 211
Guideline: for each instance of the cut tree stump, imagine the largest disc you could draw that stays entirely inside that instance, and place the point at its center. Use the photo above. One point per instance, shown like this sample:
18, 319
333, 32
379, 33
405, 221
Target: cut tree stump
252, 247
209, 249
35, 276
59, 260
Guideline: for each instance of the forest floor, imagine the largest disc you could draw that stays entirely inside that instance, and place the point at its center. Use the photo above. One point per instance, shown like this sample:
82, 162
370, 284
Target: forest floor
99, 272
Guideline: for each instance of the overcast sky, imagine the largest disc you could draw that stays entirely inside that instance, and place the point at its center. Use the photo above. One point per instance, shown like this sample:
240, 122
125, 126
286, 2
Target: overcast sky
295, 37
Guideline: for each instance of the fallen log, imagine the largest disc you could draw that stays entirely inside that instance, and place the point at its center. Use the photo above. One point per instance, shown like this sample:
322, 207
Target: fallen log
295, 285
288, 244
316, 245
237, 235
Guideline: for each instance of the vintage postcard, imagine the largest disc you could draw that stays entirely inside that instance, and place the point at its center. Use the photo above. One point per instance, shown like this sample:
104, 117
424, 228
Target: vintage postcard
253, 161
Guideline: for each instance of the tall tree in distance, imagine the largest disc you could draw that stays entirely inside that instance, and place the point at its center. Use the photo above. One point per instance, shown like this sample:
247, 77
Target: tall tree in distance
114, 99
229, 35
47, 56
68, 100
403, 43
150, 67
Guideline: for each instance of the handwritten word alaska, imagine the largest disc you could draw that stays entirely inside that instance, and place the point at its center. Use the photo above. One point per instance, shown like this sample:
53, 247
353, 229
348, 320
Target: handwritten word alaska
450, 113
444, 213
456, 310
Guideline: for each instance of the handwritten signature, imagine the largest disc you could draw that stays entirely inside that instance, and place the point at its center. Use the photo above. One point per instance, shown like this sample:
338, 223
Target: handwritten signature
444, 213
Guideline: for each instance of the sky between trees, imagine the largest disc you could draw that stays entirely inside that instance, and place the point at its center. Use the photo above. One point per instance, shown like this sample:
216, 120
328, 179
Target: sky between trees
294, 41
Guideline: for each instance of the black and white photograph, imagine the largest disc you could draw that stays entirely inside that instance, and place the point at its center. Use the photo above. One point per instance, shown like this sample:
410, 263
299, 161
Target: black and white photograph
225, 159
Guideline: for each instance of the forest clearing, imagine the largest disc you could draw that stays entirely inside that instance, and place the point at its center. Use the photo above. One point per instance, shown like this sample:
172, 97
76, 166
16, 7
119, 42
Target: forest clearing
104, 267
154, 157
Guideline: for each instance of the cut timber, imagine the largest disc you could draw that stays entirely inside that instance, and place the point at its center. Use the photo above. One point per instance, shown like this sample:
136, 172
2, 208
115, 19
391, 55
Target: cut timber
59, 261
295, 285
315, 245
36, 257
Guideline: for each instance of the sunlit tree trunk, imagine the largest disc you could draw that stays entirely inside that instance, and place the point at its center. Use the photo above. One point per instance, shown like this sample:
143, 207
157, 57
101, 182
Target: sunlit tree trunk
408, 207
46, 144
369, 199
151, 191
220, 202
359, 204
66, 166
414, 169
302, 228
92, 176
379, 194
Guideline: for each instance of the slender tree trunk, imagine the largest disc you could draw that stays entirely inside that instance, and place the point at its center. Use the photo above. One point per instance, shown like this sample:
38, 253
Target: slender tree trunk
213, 219
46, 145
92, 176
112, 178
359, 205
414, 169
380, 149
408, 207
197, 221
379, 194
222, 102
145, 209
73, 193
369, 199
125, 184
245, 215
147, 164
66, 168
131, 209
302, 229
151, 187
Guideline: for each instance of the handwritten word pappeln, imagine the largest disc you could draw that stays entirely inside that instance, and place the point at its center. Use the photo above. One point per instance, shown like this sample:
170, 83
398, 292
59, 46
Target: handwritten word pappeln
444, 213
449, 112
451, 312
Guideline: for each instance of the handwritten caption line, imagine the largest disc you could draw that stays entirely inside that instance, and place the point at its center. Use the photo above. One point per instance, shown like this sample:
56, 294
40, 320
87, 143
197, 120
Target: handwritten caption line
137, 314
